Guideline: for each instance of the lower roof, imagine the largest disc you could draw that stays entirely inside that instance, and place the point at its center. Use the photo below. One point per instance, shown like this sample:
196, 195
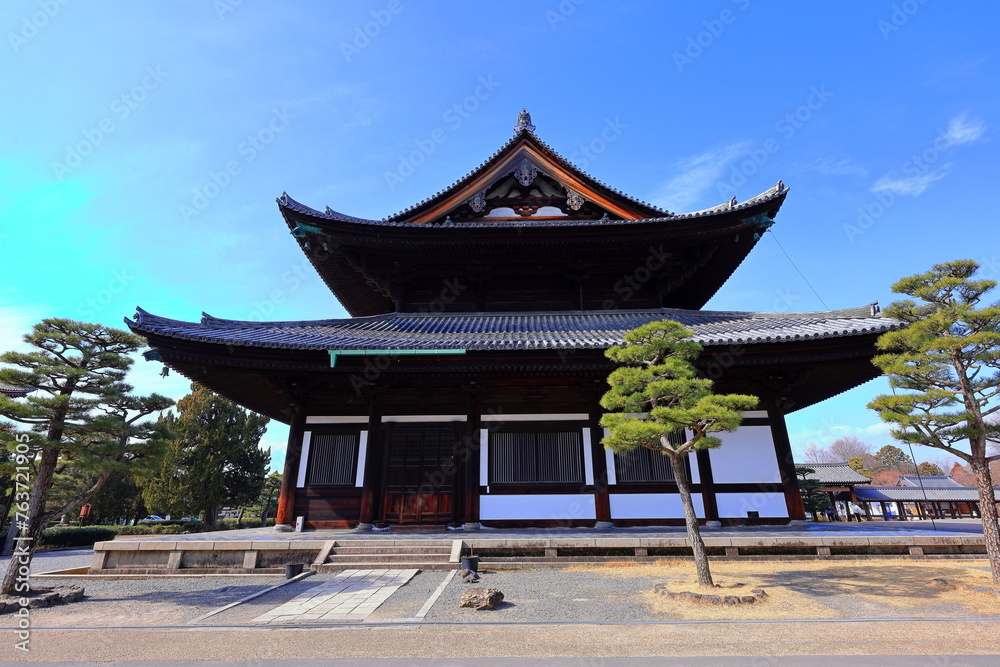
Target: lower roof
514, 331
911, 494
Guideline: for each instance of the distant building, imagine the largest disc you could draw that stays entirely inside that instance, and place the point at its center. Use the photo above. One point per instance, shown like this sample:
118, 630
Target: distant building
919, 497
839, 481
15, 392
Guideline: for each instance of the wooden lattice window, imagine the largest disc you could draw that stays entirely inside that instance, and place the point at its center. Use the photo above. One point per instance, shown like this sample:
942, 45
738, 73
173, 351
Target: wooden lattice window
532, 457
332, 458
647, 465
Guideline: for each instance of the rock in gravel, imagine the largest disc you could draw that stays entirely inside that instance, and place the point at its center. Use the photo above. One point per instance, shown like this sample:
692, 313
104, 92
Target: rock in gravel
481, 598
469, 576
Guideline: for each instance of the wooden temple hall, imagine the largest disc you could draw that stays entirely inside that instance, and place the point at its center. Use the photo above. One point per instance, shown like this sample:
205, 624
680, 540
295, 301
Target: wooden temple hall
463, 390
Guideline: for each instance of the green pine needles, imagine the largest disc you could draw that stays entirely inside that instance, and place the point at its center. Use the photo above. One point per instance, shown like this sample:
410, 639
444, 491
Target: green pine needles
657, 392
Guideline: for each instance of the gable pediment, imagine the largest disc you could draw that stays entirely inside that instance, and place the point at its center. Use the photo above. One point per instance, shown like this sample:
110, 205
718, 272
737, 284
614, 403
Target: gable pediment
526, 179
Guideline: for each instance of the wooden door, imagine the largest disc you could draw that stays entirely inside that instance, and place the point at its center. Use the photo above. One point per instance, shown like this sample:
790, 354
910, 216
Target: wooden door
420, 474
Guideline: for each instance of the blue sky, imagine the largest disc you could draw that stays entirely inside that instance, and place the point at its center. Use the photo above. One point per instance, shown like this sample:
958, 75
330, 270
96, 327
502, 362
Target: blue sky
143, 143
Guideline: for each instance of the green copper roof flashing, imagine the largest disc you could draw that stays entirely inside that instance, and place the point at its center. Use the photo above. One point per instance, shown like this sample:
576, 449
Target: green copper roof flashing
392, 353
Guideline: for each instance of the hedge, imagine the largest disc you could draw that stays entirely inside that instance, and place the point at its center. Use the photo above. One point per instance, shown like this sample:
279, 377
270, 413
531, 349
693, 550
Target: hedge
77, 536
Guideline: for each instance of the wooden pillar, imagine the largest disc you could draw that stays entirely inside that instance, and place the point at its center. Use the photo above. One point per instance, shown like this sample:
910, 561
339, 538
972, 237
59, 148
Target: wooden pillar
707, 481
284, 519
369, 488
786, 464
469, 458
602, 496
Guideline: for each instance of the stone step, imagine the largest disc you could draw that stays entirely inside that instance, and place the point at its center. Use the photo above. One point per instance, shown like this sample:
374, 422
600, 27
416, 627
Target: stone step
433, 549
367, 565
388, 558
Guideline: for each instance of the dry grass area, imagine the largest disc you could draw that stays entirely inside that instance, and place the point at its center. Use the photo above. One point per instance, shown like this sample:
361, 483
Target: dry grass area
819, 589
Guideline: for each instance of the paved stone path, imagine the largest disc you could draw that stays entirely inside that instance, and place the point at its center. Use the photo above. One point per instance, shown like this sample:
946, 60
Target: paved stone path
350, 596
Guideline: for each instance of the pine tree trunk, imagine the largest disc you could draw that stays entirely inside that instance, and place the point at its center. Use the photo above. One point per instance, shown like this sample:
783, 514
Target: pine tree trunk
27, 540
988, 512
691, 521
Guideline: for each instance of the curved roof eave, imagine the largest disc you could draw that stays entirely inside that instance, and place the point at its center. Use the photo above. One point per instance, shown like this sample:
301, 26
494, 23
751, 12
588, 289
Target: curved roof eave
774, 196
514, 331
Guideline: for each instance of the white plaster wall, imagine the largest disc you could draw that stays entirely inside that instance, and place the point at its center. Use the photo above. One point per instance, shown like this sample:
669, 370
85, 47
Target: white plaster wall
304, 459
561, 507
652, 506
736, 505
746, 456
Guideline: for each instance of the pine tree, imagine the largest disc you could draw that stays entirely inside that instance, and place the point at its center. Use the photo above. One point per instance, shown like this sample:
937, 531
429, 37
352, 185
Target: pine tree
813, 499
857, 463
929, 469
660, 382
944, 368
80, 415
214, 461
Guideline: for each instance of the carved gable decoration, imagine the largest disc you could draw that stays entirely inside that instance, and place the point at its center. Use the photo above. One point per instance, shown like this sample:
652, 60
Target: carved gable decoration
526, 178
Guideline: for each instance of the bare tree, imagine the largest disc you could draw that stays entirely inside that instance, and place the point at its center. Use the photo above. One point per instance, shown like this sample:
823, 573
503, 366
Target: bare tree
816, 454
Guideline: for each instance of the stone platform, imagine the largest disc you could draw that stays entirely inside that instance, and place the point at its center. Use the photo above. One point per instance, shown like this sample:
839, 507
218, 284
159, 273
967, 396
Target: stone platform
264, 551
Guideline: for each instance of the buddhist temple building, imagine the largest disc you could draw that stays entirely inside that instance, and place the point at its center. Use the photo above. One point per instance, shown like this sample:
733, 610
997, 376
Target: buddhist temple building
463, 390
923, 496
839, 482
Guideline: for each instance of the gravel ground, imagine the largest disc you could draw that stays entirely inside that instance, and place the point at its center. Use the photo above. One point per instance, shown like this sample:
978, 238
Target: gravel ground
143, 602
542, 595
547, 595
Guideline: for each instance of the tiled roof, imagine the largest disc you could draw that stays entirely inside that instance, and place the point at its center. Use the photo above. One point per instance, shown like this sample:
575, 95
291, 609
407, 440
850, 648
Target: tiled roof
931, 481
834, 473
779, 191
14, 392
915, 493
514, 331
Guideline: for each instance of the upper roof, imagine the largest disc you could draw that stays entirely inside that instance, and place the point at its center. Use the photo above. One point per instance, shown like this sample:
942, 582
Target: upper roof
527, 210
931, 481
514, 331
839, 474
531, 170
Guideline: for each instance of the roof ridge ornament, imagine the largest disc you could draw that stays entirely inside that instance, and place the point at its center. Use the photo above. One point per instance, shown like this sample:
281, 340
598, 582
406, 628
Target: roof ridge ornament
524, 122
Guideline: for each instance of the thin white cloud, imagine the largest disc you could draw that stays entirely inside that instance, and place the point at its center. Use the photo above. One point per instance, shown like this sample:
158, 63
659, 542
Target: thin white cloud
844, 167
910, 185
961, 130
698, 173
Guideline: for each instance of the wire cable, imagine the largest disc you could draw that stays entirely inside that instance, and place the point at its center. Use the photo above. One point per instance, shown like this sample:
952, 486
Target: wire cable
771, 232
